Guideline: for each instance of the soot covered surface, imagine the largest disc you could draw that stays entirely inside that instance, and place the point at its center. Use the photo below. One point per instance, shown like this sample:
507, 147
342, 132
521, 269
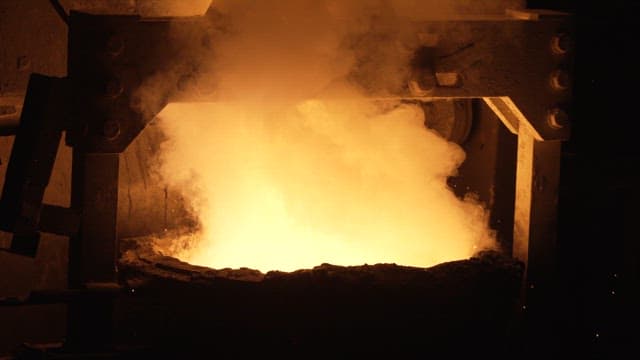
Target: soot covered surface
458, 307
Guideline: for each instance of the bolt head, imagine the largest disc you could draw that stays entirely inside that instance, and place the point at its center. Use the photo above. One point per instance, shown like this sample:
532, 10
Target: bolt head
115, 45
557, 118
560, 80
561, 44
113, 89
111, 129
448, 79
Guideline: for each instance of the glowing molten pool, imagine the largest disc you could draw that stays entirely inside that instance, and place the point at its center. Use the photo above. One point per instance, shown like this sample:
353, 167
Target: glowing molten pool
290, 187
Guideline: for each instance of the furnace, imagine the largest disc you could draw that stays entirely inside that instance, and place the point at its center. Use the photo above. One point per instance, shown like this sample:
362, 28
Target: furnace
490, 80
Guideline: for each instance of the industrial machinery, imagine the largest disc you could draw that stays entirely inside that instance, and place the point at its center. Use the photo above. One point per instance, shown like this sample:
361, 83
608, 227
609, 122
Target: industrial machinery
503, 77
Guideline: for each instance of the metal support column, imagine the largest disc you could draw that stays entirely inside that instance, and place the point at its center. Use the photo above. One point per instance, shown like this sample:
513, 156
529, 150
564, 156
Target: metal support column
93, 252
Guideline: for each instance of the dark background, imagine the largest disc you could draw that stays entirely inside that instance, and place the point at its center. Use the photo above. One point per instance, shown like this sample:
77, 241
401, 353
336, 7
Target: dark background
597, 312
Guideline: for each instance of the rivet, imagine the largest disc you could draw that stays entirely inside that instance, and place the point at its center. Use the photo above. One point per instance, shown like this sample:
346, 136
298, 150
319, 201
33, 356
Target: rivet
115, 45
560, 80
561, 44
113, 88
557, 118
448, 79
111, 129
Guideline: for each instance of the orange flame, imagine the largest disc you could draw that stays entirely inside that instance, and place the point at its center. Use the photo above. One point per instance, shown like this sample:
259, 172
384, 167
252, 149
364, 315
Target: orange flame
345, 183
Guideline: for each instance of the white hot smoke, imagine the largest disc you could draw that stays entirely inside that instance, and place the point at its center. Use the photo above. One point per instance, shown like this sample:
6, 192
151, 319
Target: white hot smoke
293, 166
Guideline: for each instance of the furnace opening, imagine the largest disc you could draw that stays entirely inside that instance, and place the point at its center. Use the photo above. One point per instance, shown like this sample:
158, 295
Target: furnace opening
303, 153
321, 181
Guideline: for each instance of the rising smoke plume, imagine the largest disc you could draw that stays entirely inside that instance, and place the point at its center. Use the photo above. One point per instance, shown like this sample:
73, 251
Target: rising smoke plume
293, 165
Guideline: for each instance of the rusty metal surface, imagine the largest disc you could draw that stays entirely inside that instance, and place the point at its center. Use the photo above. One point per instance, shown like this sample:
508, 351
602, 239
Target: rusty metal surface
123, 72
535, 230
31, 163
144, 206
450, 9
93, 251
508, 58
59, 220
10, 110
38, 44
39, 41
33, 41
146, 8
398, 311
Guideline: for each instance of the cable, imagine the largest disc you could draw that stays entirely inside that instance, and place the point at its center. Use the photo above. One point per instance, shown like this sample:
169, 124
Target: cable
60, 10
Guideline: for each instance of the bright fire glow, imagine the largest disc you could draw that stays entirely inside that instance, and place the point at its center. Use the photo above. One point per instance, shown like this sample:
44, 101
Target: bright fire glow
282, 178
344, 183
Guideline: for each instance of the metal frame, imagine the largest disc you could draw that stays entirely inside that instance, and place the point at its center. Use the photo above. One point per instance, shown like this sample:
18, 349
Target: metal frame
519, 64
